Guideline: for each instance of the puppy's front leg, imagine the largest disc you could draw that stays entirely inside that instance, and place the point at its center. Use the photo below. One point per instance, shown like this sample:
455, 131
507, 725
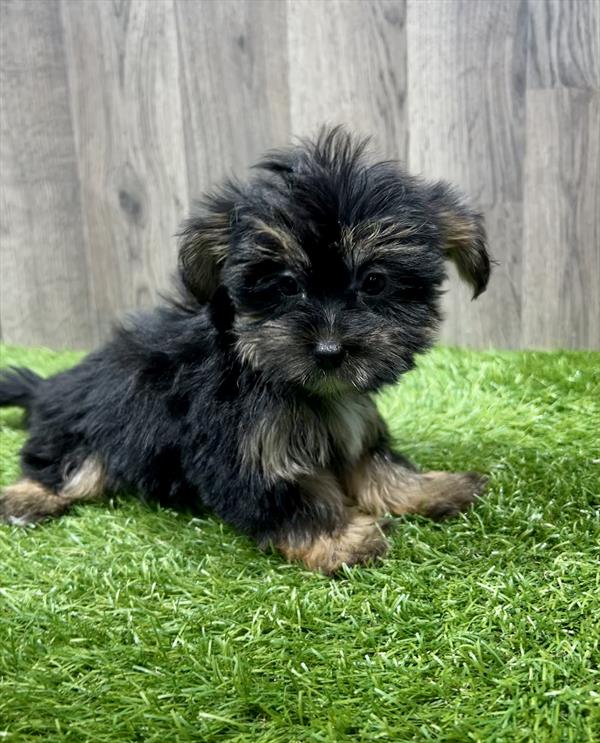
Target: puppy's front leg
309, 520
355, 538
383, 482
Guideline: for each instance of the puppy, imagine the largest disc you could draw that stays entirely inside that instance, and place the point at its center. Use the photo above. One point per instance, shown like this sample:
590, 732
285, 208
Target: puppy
301, 293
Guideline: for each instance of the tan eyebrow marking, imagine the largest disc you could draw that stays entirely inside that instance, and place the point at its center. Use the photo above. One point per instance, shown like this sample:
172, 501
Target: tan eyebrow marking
290, 248
376, 238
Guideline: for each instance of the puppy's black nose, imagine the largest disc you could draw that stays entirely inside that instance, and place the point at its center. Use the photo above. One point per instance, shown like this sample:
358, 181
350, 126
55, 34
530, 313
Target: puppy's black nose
329, 354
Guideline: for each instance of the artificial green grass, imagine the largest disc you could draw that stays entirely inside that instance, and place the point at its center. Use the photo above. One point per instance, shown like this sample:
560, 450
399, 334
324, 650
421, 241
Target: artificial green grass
135, 624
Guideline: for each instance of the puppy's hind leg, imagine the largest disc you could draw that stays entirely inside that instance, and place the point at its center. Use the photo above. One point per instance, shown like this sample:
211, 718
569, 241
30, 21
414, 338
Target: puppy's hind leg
380, 484
29, 501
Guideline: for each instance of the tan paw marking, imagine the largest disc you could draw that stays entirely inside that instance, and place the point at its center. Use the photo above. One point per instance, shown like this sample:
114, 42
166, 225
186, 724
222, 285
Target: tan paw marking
362, 540
380, 485
28, 502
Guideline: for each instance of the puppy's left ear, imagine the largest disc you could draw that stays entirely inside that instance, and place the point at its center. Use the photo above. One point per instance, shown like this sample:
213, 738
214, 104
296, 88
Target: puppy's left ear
204, 245
463, 235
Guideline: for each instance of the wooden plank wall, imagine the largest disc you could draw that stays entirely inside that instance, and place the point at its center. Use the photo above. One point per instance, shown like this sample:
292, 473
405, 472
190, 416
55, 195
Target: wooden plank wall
115, 114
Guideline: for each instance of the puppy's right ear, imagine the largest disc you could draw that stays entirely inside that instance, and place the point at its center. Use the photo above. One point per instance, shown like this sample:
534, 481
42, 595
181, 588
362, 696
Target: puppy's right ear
204, 245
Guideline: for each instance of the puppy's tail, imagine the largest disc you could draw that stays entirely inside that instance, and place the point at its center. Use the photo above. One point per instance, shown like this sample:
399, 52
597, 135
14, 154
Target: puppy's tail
18, 386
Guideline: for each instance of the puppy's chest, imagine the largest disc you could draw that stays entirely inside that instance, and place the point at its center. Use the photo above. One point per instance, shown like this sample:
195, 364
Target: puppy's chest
298, 439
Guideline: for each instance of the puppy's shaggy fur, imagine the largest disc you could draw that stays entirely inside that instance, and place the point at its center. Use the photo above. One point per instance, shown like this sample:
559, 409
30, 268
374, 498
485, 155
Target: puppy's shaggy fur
302, 292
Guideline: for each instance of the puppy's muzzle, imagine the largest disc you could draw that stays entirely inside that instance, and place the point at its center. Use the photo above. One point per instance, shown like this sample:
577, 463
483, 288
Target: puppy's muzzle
329, 354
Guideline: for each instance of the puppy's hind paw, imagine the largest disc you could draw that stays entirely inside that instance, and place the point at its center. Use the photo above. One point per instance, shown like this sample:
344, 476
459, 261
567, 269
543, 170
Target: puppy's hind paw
28, 502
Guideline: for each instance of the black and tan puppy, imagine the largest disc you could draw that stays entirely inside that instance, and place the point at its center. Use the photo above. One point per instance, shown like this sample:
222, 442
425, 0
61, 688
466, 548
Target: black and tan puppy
303, 292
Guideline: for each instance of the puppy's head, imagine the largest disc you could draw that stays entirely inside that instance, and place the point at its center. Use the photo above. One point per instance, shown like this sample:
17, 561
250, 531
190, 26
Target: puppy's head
332, 264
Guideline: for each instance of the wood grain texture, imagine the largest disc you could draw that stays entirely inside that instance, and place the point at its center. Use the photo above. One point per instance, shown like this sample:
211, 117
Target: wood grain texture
233, 57
44, 293
347, 64
466, 71
561, 270
124, 67
564, 44
115, 114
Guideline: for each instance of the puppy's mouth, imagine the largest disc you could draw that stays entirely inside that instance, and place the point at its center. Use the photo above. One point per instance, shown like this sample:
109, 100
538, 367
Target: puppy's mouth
328, 383
338, 373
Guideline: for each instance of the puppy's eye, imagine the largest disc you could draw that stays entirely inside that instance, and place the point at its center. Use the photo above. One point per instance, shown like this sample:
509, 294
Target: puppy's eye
288, 286
373, 283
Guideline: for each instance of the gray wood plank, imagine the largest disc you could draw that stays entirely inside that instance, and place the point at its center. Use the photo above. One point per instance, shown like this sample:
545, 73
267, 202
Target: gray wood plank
114, 114
561, 273
124, 66
466, 94
564, 44
234, 85
347, 64
44, 294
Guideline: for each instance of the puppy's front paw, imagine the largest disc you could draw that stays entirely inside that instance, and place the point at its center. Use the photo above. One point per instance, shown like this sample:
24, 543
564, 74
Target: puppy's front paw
451, 493
361, 541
